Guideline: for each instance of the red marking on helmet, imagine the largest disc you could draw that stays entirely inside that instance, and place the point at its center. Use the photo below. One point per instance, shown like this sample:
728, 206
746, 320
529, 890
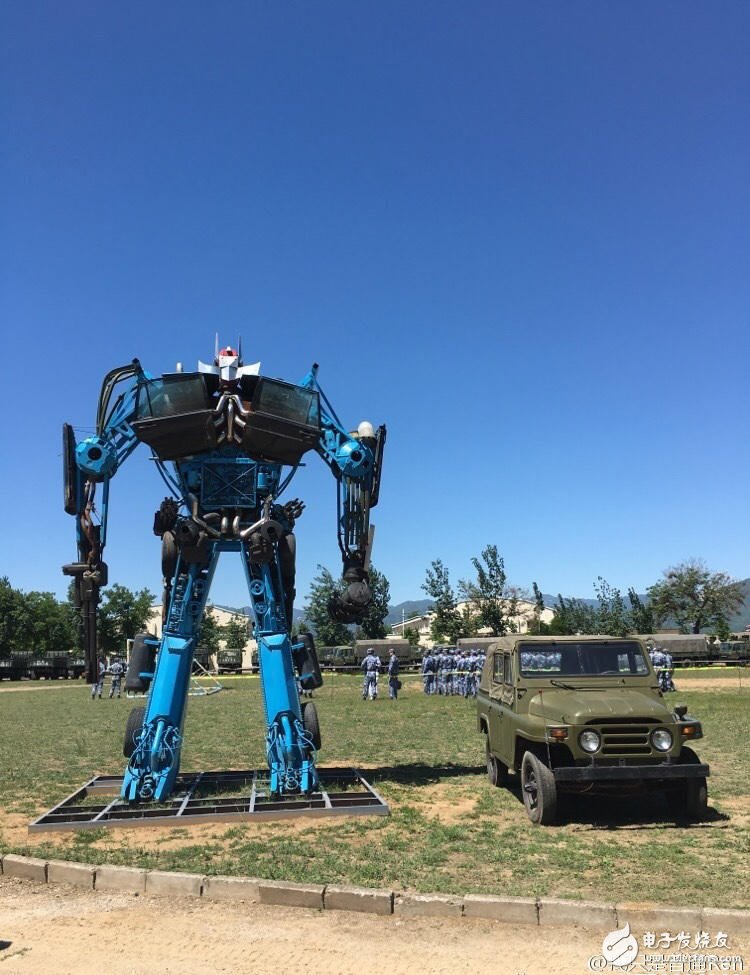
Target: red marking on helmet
228, 351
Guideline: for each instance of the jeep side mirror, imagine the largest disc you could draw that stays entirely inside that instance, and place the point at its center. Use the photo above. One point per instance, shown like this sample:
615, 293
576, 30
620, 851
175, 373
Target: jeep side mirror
680, 710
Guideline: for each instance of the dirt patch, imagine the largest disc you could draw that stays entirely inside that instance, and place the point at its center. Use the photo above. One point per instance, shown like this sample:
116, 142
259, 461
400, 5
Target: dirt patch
14, 828
52, 686
738, 809
444, 803
712, 683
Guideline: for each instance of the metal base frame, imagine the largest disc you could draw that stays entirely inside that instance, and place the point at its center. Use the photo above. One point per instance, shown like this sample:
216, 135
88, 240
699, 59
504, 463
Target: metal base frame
200, 797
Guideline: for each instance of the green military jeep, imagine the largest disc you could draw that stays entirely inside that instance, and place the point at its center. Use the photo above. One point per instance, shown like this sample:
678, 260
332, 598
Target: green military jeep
585, 715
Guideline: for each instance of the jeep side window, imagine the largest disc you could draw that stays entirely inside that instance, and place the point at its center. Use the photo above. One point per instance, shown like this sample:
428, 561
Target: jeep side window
508, 669
498, 670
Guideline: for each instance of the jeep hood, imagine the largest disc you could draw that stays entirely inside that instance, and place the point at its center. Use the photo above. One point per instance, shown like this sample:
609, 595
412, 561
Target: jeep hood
580, 706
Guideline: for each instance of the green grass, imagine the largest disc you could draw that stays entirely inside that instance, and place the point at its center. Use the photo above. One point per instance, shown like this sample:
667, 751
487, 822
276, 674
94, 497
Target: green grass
449, 829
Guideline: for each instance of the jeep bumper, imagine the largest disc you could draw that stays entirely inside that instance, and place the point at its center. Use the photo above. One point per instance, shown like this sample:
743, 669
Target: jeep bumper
628, 773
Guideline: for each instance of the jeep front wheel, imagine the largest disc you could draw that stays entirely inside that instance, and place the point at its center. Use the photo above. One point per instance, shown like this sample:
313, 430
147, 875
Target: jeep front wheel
539, 790
497, 773
690, 799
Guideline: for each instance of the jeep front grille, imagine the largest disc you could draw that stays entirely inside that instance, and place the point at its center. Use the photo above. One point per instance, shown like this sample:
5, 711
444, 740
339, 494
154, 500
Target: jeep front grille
625, 736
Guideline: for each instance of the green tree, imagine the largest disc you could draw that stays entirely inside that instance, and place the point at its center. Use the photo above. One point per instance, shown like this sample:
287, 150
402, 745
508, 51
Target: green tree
122, 614
641, 613
328, 632
373, 625
573, 616
493, 604
447, 623
236, 632
211, 631
723, 632
49, 626
613, 616
535, 626
11, 612
412, 636
695, 597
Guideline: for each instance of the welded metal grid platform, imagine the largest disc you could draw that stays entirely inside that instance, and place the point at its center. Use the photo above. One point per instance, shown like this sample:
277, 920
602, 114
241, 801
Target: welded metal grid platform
212, 797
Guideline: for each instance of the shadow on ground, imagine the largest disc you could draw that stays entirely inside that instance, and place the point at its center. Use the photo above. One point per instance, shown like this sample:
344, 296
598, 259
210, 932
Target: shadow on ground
417, 773
641, 811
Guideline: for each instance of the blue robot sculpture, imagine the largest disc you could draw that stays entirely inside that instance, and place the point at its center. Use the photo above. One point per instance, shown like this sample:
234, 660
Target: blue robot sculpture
233, 439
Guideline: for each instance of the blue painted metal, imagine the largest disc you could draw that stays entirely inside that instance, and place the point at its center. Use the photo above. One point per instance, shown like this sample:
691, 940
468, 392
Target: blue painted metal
154, 765
224, 494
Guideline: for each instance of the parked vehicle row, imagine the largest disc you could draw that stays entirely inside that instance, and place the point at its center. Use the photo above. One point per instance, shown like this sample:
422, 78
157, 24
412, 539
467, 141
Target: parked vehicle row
41, 666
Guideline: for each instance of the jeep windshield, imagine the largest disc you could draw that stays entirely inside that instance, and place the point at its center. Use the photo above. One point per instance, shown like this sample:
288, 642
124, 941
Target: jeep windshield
588, 658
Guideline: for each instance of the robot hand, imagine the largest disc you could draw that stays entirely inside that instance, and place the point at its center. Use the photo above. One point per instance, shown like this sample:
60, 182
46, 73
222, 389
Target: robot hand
351, 606
292, 510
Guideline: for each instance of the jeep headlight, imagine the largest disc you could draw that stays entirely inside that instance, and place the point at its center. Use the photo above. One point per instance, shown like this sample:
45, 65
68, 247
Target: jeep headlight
590, 741
661, 739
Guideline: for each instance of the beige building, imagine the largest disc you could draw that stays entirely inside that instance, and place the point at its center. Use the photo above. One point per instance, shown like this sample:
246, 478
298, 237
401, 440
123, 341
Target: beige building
422, 623
223, 616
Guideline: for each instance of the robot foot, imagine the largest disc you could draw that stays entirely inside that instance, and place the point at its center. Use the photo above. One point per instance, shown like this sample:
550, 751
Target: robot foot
153, 767
291, 757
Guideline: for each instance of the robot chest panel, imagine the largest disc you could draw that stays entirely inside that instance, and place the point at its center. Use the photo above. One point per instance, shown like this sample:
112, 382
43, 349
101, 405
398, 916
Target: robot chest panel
225, 479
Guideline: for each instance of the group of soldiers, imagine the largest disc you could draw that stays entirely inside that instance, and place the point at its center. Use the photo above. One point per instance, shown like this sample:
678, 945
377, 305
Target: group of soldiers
371, 666
116, 670
449, 671
663, 665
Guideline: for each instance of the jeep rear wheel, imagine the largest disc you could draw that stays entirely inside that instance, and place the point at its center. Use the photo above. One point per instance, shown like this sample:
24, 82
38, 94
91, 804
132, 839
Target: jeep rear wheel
539, 790
497, 773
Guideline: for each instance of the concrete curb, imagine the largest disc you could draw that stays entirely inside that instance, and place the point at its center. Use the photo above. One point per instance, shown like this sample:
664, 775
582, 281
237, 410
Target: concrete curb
428, 905
365, 899
511, 910
27, 868
586, 913
129, 879
75, 874
238, 889
291, 895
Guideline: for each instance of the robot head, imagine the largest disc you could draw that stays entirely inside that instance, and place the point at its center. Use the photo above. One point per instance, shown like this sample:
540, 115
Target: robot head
228, 364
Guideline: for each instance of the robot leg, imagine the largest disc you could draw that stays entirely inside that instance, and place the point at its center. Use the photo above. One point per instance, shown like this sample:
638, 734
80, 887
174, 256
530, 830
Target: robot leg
291, 735
154, 748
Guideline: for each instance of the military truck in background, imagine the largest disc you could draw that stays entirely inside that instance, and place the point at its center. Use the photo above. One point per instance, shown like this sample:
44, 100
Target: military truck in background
406, 653
14, 667
229, 660
26, 664
337, 657
584, 715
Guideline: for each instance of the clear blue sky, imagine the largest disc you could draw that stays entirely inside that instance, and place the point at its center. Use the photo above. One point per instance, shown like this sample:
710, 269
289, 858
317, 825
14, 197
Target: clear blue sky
516, 233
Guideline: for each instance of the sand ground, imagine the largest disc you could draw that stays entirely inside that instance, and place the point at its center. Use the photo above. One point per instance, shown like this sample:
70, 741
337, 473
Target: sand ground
65, 931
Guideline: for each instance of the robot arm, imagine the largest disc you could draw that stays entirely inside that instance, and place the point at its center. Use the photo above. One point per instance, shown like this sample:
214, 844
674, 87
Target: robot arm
94, 461
355, 459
